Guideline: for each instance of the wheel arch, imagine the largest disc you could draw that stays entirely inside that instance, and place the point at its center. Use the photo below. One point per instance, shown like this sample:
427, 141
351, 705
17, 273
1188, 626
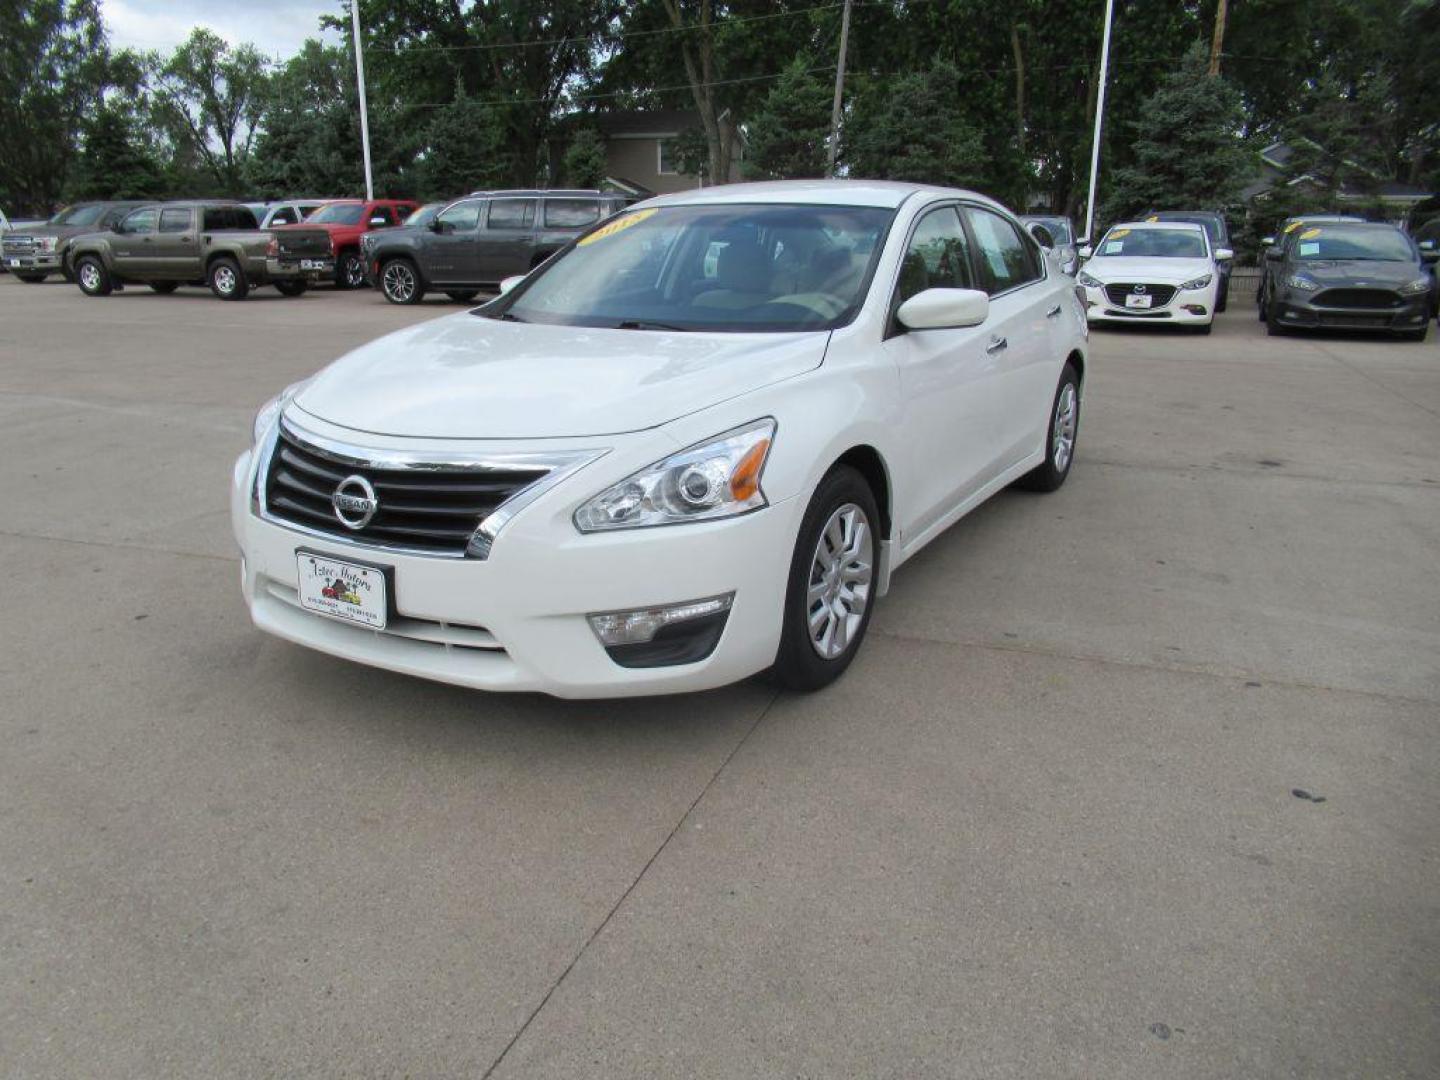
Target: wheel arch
869, 463
1076, 359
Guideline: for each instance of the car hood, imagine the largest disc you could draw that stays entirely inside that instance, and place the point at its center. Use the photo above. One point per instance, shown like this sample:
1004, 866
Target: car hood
467, 377
1169, 271
1359, 272
63, 231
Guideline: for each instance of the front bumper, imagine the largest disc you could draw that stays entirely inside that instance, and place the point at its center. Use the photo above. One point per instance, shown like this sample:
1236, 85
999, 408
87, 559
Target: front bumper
1188, 307
1296, 309
35, 264
517, 620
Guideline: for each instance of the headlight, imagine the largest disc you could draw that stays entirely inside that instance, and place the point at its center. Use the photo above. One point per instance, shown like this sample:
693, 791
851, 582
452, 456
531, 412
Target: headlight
1297, 281
1088, 281
1196, 283
1419, 285
718, 478
46, 243
271, 410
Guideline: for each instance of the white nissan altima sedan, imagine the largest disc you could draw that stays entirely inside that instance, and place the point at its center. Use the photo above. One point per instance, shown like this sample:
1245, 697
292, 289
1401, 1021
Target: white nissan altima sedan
691, 447
1153, 272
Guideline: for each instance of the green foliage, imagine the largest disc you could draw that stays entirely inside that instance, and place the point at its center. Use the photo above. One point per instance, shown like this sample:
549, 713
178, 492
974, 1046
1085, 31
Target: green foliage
584, 163
789, 132
1187, 145
468, 147
114, 162
910, 129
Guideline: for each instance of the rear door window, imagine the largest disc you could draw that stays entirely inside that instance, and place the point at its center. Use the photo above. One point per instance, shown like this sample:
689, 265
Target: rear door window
571, 213
174, 221
380, 216
1006, 261
511, 213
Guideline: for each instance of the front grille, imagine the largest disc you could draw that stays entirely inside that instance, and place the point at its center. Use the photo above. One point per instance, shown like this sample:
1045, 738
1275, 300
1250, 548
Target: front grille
18, 245
1359, 298
1355, 322
426, 509
1160, 295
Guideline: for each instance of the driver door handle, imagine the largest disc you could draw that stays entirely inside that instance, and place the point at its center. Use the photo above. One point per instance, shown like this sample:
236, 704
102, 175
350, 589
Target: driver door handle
996, 344
1053, 312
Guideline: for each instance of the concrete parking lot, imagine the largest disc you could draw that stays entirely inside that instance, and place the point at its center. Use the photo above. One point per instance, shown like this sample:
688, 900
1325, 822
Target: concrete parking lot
1046, 826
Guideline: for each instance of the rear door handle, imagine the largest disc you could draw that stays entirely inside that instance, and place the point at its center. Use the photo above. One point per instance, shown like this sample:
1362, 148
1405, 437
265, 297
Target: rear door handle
996, 344
1053, 312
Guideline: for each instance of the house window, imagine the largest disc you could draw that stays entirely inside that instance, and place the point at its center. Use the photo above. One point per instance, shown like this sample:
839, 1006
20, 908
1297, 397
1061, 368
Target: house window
666, 151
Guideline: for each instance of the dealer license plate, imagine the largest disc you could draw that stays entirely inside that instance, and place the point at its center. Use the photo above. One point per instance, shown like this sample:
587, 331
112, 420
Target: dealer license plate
313, 264
342, 590
1140, 300
12, 262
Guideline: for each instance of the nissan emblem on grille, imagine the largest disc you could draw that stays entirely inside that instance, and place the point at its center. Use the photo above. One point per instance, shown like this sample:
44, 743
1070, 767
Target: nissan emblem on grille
354, 502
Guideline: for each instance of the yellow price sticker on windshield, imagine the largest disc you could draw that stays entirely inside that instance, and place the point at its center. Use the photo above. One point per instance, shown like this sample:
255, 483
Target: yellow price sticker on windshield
1118, 233
616, 226
1310, 234
1293, 226
1153, 218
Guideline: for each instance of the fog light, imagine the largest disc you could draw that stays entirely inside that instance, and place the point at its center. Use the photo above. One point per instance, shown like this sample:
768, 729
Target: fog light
640, 626
663, 636
1195, 309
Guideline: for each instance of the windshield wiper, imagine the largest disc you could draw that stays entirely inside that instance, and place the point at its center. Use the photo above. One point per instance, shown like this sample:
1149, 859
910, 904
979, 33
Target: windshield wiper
641, 324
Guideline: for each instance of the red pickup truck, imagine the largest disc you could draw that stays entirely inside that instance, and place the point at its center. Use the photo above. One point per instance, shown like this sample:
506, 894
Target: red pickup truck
346, 220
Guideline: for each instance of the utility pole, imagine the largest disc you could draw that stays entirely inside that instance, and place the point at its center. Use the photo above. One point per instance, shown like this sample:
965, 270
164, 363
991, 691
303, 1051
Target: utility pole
1099, 121
1217, 43
839, 89
364, 113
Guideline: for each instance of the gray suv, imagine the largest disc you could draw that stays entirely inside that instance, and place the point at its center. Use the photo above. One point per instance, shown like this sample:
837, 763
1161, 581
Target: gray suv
34, 254
480, 240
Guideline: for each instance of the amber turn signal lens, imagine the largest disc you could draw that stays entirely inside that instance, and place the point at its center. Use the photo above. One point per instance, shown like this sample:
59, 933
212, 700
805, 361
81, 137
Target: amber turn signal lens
745, 480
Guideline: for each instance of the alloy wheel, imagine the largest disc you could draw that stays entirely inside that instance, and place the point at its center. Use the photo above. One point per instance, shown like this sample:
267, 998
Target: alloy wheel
841, 573
354, 272
1063, 433
225, 279
90, 277
399, 282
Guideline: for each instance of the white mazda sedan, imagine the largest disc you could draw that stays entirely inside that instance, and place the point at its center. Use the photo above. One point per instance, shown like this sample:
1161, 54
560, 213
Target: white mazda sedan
691, 447
1153, 272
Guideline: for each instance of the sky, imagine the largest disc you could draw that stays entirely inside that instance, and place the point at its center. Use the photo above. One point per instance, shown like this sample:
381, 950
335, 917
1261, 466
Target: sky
276, 27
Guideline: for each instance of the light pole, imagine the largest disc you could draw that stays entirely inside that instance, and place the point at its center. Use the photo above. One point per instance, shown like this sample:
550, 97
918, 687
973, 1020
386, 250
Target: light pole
1099, 122
839, 89
364, 113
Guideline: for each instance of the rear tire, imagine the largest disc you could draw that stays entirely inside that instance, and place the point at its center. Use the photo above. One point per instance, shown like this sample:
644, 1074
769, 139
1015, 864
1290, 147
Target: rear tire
462, 296
227, 280
1060, 436
92, 277
831, 589
164, 288
400, 282
30, 279
291, 288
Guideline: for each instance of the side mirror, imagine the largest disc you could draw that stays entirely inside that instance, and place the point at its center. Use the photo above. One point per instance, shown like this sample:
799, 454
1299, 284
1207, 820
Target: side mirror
1084, 250
1224, 254
941, 309
438, 226
510, 283
1071, 266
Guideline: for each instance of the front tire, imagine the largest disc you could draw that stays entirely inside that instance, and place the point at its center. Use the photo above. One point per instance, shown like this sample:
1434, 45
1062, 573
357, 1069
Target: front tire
290, 288
1060, 438
30, 279
462, 296
831, 589
350, 270
400, 282
227, 280
92, 277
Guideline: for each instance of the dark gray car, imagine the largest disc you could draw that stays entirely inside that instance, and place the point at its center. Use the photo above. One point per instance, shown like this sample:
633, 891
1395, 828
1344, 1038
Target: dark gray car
34, 254
480, 240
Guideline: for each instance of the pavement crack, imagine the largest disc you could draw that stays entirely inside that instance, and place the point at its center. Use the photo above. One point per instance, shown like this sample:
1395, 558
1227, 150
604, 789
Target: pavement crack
599, 929
120, 545
1372, 379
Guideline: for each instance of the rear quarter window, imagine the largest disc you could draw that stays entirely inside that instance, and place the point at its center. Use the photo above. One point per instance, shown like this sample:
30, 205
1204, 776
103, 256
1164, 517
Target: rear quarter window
571, 213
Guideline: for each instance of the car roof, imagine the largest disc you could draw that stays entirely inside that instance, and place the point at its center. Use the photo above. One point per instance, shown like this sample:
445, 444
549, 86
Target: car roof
878, 193
1171, 226
1172, 215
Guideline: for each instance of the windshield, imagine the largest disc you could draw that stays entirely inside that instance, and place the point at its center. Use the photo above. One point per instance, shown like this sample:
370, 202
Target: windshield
729, 268
424, 215
1380, 244
78, 215
1153, 243
1058, 227
338, 214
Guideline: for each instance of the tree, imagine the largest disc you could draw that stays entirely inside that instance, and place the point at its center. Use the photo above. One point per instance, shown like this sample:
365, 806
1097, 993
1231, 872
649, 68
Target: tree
114, 162
909, 129
1187, 144
53, 61
212, 98
468, 147
787, 137
584, 163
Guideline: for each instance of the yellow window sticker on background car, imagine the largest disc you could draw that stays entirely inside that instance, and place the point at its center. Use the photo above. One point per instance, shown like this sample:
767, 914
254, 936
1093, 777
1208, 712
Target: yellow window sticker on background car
618, 225
1153, 217
1293, 226
1118, 233
1310, 234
